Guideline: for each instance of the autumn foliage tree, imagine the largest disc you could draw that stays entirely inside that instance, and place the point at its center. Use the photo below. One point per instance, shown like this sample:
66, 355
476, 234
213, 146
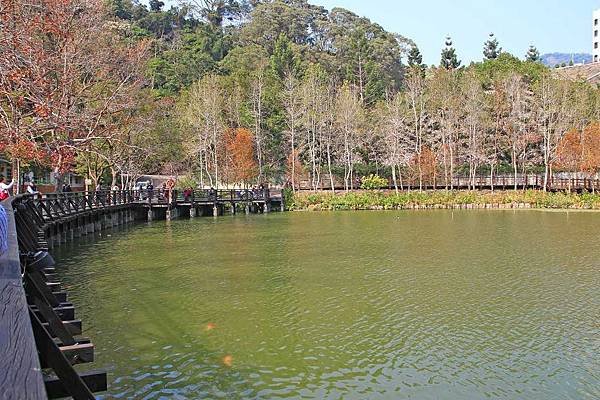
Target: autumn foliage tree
424, 166
579, 152
591, 149
241, 166
569, 152
67, 78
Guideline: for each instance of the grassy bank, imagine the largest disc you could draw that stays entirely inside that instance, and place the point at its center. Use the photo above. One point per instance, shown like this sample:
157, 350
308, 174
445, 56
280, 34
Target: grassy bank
377, 200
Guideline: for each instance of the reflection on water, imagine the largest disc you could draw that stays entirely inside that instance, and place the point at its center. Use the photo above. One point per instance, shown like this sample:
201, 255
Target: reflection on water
427, 305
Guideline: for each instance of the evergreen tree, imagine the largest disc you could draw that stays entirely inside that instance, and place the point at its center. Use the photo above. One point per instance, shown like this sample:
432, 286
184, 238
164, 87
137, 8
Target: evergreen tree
284, 60
533, 55
121, 8
156, 5
414, 57
491, 48
415, 60
449, 58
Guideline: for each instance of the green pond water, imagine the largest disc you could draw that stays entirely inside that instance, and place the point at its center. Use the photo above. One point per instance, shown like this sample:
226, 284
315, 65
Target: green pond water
363, 305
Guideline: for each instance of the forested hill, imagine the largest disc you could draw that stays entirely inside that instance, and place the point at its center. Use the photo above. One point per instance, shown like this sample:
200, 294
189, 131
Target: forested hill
234, 37
562, 59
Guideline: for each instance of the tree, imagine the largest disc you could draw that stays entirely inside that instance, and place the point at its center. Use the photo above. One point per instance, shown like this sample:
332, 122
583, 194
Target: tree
284, 60
473, 124
294, 170
591, 149
415, 59
66, 78
292, 104
241, 164
349, 119
416, 97
394, 116
215, 11
449, 58
156, 5
202, 112
552, 120
445, 106
491, 48
533, 55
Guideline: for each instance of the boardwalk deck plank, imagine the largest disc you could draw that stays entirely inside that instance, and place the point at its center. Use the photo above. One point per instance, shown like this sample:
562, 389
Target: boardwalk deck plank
20, 376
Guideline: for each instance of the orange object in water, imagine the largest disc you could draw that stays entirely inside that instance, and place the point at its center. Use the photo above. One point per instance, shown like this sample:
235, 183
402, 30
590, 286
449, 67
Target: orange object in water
228, 360
210, 326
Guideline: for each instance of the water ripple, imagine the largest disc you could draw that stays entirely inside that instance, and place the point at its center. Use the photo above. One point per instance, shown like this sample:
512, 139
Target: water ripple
428, 305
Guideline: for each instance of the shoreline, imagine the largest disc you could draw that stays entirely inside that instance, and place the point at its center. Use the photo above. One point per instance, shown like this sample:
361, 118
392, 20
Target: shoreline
442, 200
473, 207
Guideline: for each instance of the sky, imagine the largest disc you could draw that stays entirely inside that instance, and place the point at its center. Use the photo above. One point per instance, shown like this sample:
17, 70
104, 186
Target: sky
551, 25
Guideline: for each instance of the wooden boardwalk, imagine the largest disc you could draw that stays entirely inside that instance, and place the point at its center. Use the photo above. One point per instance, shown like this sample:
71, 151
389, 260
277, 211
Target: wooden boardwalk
498, 182
38, 327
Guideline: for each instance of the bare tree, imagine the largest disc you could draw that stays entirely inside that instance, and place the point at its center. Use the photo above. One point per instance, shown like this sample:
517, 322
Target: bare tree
292, 104
202, 112
349, 120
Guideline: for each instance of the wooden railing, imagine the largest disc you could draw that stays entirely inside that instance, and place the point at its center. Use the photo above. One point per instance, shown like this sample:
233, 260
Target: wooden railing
54, 206
521, 181
38, 329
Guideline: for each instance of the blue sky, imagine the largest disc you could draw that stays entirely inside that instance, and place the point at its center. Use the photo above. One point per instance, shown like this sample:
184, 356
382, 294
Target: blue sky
551, 25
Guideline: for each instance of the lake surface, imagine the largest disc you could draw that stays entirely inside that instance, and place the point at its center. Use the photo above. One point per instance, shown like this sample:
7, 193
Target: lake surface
357, 305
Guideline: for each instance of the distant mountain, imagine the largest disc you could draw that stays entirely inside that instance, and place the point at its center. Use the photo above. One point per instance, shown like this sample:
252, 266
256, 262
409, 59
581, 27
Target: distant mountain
551, 59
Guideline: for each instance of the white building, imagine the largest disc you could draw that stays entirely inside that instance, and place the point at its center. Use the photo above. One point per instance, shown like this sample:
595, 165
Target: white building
596, 36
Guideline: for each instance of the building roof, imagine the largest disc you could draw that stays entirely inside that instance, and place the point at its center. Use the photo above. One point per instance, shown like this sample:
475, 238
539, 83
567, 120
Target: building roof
585, 72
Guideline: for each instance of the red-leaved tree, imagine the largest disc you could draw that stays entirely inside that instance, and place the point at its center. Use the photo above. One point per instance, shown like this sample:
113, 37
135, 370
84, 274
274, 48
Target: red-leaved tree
67, 78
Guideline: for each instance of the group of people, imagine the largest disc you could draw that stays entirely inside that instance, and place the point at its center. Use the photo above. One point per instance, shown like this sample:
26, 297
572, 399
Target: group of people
5, 188
165, 192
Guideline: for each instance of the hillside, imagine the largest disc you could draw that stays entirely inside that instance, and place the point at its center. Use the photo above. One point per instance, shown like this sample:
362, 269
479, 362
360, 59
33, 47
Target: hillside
551, 59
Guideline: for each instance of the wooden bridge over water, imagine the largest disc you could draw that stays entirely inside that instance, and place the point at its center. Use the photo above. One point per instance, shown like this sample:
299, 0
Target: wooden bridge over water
40, 337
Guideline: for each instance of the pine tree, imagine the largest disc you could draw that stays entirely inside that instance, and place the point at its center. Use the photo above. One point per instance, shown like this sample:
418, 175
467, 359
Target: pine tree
415, 57
533, 55
156, 5
449, 58
415, 60
284, 60
491, 48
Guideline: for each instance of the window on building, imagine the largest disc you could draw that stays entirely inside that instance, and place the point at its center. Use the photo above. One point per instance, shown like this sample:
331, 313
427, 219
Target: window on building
596, 45
596, 22
595, 33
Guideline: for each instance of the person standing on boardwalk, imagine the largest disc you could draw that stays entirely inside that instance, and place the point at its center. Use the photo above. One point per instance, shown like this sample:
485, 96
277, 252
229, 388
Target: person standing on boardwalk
168, 186
150, 189
32, 188
5, 188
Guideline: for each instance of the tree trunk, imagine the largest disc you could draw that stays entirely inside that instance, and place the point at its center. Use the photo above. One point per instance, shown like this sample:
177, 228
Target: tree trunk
515, 167
394, 178
16, 175
293, 162
329, 168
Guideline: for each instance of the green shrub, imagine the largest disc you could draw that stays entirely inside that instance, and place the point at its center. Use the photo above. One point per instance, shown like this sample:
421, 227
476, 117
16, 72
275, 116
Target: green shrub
289, 199
372, 199
373, 182
184, 182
